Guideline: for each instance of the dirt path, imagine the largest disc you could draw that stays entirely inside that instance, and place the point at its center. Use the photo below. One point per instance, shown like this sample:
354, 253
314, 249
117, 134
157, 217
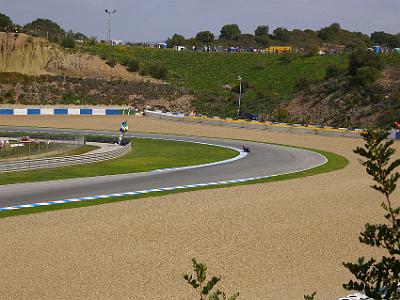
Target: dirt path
268, 241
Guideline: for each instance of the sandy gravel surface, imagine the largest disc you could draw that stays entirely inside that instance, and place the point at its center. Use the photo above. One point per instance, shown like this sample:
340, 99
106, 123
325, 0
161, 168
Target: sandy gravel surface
268, 241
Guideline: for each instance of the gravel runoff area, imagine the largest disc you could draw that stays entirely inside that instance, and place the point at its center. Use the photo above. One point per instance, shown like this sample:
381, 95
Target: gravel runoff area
269, 241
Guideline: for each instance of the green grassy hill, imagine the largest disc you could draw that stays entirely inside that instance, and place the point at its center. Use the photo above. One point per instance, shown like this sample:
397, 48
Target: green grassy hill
271, 78
208, 72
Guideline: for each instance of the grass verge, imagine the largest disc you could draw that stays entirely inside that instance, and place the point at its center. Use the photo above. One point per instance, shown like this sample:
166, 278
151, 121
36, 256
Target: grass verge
146, 155
335, 162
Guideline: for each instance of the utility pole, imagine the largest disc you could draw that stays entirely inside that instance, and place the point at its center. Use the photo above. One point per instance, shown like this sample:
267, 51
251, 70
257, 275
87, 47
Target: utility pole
240, 95
109, 12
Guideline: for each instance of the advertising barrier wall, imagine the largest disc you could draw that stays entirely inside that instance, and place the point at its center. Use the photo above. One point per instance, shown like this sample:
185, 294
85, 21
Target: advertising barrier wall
62, 111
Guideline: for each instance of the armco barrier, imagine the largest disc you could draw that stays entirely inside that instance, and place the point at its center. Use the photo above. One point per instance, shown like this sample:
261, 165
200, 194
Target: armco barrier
55, 162
280, 127
64, 111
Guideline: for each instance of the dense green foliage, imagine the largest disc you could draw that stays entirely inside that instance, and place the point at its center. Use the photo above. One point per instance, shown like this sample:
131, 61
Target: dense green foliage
380, 279
365, 66
333, 35
261, 30
176, 40
230, 32
45, 28
5, 22
68, 42
206, 37
155, 70
111, 61
361, 59
334, 71
132, 65
386, 39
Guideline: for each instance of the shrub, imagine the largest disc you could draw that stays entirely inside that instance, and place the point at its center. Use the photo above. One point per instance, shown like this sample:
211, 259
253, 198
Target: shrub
68, 42
304, 84
363, 58
70, 99
206, 288
396, 95
155, 70
132, 65
334, 71
287, 58
366, 75
111, 62
379, 278
312, 50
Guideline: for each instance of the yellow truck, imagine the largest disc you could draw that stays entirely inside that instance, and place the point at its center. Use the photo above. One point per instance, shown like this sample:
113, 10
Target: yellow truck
279, 49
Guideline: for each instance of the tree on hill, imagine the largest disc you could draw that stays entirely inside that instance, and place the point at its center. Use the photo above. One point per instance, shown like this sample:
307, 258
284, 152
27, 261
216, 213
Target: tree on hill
328, 33
385, 39
261, 30
263, 41
281, 34
206, 37
45, 28
230, 32
80, 36
5, 22
355, 46
176, 40
247, 41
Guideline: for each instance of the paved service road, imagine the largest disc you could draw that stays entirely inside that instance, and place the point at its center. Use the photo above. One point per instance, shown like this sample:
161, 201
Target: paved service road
263, 161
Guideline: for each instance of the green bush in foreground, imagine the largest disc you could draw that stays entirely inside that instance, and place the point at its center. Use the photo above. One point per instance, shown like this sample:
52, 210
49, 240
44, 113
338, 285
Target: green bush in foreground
155, 70
111, 62
380, 279
68, 42
366, 75
198, 282
132, 65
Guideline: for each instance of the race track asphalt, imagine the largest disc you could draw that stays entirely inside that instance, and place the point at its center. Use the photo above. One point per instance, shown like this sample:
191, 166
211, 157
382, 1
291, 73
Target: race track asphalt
264, 160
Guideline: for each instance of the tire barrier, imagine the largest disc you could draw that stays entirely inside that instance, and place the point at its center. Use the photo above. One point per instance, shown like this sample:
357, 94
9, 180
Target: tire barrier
55, 162
279, 127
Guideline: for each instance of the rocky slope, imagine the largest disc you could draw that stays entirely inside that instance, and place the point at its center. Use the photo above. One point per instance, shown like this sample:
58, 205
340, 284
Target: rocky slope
34, 56
337, 102
33, 71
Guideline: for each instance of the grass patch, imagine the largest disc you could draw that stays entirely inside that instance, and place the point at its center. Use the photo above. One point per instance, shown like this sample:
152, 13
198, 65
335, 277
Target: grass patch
335, 162
208, 72
146, 155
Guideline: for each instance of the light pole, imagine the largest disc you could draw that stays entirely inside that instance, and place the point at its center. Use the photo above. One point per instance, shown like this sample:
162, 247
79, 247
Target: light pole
240, 95
109, 12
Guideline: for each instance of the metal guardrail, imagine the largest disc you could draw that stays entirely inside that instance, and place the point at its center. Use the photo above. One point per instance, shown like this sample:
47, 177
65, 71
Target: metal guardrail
280, 127
55, 162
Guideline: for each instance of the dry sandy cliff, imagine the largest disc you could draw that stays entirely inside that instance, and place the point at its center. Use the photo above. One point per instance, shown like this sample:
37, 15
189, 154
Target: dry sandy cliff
34, 56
